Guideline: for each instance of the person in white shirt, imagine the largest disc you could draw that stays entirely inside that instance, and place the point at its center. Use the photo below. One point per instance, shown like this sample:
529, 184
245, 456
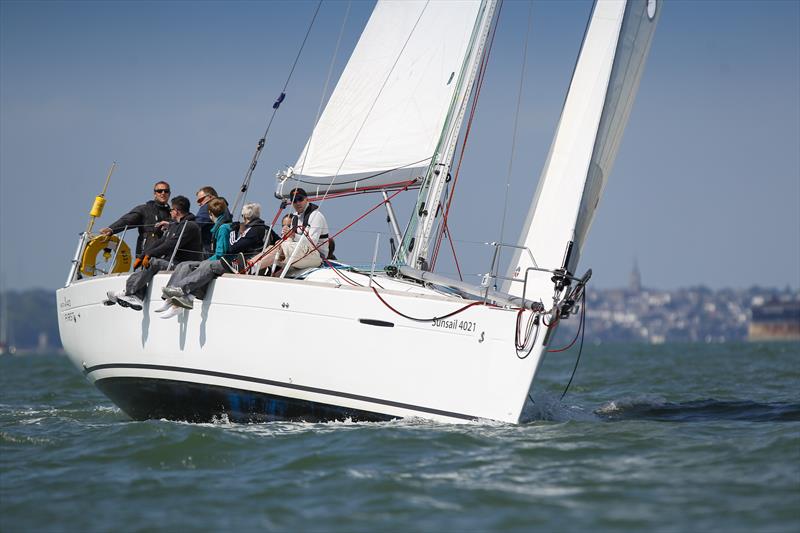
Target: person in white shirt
306, 236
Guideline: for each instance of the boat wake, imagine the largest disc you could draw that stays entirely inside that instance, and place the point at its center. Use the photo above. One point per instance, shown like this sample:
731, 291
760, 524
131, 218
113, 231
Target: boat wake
699, 410
550, 408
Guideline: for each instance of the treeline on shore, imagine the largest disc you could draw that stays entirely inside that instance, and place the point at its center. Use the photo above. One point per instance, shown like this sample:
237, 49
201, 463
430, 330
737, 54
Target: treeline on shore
30, 319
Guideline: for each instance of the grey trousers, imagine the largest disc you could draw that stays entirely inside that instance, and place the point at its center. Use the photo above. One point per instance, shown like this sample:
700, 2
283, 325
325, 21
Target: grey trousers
138, 281
193, 277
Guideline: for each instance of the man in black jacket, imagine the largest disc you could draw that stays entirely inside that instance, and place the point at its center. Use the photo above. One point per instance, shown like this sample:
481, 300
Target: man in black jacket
182, 233
145, 217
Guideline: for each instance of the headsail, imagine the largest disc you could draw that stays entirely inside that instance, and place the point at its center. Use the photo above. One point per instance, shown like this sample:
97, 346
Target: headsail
596, 109
385, 116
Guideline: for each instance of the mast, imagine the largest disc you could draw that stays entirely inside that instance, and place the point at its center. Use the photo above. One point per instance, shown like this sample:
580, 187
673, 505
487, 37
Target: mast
414, 249
596, 109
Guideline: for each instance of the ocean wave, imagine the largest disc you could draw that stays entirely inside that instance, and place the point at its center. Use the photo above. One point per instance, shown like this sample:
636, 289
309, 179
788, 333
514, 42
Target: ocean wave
649, 408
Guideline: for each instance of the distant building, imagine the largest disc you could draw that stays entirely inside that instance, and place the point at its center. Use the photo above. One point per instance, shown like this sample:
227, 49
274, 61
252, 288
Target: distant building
635, 280
775, 319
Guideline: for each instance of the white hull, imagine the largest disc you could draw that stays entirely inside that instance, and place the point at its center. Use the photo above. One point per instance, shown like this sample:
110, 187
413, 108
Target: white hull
266, 349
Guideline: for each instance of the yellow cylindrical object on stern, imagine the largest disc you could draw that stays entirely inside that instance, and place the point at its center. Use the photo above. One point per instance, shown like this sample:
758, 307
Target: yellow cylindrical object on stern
97, 207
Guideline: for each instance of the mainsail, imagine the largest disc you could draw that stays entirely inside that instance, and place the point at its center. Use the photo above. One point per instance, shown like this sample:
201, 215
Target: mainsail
385, 117
596, 109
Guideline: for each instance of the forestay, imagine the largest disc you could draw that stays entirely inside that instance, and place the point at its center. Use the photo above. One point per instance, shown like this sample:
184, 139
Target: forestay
385, 116
596, 109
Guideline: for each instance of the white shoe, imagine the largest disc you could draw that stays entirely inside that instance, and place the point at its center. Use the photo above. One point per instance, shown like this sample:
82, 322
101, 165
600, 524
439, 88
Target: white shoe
111, 297
187, 301
166, 306
134, 302
174, 310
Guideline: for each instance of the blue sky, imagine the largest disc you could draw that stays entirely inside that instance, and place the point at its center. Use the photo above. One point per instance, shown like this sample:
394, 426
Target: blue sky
705, 190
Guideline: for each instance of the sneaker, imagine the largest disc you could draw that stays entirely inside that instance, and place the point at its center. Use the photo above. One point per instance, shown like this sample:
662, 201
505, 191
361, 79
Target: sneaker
173, 310
134, 302
111, 298
172, 292
187, 301
166, 306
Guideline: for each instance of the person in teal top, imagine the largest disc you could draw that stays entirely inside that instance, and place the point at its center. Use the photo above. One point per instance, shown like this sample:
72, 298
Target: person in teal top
220, 232
192, 278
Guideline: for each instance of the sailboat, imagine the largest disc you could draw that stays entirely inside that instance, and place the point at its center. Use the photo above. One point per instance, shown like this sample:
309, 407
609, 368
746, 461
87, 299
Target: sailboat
404, 340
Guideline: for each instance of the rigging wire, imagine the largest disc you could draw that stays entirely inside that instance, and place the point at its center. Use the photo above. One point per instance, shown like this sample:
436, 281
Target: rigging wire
327, 84
374, 102
453, 248
259, 257
263, 140
516, 121
478, 86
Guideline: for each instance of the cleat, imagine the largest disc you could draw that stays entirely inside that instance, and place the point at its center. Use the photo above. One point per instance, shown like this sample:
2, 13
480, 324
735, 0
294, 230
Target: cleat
173, 310
172, 292
130, 301
186, 302
166, 306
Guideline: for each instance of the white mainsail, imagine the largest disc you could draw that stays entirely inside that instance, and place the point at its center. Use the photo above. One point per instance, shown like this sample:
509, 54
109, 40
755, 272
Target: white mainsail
385, 117
596, 109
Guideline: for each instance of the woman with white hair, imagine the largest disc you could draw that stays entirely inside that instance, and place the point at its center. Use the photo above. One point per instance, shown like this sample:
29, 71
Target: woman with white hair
248, 237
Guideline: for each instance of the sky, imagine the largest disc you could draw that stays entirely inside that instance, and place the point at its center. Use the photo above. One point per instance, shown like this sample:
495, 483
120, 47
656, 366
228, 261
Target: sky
705, 189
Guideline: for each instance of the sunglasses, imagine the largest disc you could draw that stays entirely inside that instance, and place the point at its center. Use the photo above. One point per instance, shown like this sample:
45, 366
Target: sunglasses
201, 199
161, 191
298, 199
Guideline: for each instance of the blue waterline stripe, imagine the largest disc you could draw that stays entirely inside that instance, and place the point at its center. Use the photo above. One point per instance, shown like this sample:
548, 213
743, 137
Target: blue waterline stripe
304, 388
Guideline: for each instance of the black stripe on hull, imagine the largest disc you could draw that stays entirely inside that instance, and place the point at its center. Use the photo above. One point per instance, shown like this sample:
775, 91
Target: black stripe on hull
152, 398
291, 386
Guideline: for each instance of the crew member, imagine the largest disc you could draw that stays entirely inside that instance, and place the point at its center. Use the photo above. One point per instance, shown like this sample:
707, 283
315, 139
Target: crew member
182, 233
144, 217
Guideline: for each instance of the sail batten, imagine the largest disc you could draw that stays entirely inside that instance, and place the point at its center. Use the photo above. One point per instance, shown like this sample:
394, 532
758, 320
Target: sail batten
384, 118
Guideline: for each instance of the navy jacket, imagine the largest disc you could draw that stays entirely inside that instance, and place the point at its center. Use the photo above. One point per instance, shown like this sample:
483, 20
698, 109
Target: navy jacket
252, 239
190, 247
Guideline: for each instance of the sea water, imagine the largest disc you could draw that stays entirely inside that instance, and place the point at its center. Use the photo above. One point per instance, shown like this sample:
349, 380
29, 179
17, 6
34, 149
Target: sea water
680, 437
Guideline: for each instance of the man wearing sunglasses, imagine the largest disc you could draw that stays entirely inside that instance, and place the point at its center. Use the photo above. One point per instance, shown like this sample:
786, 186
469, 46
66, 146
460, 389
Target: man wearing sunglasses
305, 236
181, 238
309, 230
145, 217
205, 195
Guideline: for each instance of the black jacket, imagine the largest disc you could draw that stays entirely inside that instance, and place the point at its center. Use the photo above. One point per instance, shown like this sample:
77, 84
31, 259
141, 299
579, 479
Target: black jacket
143, 217
190, 247
252, 240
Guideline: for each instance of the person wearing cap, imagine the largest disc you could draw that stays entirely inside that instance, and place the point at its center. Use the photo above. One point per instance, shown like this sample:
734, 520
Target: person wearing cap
307, 240
145, 217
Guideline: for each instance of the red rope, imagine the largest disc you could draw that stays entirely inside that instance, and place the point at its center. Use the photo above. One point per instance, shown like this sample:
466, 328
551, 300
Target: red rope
453, 248
269, 250
457, 311
314, 249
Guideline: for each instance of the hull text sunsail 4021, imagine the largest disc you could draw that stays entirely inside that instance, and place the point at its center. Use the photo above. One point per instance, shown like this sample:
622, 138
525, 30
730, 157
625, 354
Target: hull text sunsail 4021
402, 341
